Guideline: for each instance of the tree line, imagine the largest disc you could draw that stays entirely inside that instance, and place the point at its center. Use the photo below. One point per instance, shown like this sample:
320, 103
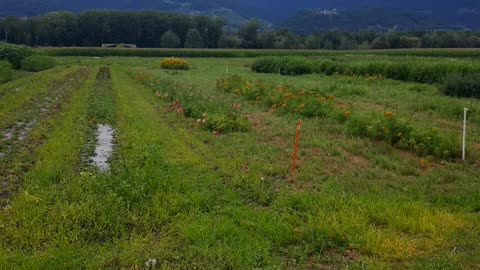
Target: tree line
150, 29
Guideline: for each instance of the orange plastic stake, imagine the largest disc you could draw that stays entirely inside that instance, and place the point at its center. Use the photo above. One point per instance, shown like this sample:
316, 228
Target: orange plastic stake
295, 149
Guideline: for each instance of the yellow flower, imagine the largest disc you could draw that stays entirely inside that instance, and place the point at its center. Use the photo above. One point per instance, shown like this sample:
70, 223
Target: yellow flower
301, 106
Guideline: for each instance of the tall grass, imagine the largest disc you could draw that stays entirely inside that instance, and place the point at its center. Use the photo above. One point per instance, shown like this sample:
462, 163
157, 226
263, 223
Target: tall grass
410, 70
5, 71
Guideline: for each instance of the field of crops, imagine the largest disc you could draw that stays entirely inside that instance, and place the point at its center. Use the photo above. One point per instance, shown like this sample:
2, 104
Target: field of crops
195, 171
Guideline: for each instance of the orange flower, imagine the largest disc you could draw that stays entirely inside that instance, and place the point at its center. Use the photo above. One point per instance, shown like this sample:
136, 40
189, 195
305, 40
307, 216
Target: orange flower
387, 114
347, 114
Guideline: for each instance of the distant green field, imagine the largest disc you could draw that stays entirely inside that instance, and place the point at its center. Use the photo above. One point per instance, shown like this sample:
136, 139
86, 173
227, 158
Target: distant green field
200, 176
241, 53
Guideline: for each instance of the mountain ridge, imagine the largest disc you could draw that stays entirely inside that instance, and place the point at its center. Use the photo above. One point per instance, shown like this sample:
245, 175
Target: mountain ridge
460, 14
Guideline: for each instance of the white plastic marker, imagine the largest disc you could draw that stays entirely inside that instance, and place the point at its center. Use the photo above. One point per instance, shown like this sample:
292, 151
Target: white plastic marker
464, 132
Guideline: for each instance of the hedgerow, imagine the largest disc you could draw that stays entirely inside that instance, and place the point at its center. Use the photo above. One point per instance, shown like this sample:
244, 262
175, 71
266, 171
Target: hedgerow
38, 63
14, 54
414, 71
5, 71
462, 85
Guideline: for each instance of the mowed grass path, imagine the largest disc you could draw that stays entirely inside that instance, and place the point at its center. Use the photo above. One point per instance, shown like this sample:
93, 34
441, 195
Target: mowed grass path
193, 199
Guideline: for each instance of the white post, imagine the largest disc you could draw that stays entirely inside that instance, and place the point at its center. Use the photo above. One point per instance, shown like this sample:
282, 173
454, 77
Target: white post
464, 132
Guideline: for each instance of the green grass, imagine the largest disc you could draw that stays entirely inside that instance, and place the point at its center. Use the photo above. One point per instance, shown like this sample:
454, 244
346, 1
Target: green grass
193, 198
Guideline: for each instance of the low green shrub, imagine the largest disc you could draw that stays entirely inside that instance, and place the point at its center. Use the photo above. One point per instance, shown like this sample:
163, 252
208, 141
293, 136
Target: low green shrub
283, 65
14, 54
462, 85
37, 63
5, 71
401, 134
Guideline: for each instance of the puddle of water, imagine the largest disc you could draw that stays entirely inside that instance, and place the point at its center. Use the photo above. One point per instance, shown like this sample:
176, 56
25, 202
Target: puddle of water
104, 147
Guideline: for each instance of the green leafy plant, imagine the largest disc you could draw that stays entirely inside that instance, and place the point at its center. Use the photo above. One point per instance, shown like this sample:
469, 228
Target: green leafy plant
37, 63
462, 85
5, 71
14, 54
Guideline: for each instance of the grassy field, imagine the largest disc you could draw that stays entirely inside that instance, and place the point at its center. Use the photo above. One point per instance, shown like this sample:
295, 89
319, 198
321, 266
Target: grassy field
200, 176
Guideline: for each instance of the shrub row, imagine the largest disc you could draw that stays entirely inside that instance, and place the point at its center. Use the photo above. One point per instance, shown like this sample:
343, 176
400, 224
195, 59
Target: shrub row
462, 85
414, 71
5, 71
38, 63
14, 54
311, 103
210, 114
238, 53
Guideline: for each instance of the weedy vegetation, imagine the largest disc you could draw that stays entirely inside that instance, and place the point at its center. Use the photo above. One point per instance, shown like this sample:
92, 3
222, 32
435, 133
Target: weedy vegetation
200, 173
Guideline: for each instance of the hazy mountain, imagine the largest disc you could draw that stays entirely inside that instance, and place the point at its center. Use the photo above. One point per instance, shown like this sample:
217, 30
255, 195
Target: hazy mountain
440, 14
379, 19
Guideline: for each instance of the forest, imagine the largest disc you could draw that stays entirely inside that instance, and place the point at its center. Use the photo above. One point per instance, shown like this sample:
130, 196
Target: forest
151, 29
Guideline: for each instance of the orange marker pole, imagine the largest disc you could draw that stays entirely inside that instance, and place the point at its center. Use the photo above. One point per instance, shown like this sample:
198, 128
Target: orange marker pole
295, 149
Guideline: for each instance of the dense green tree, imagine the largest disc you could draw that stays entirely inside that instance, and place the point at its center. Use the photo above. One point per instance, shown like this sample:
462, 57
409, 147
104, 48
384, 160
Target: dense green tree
170, 40
266, 40
314, 42
473, 42
229, 42
248, 33
287, 40
379, 43
146, 29
193, 39
347, 43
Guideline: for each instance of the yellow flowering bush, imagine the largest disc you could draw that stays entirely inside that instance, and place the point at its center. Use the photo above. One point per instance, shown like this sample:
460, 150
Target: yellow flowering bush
175, 64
